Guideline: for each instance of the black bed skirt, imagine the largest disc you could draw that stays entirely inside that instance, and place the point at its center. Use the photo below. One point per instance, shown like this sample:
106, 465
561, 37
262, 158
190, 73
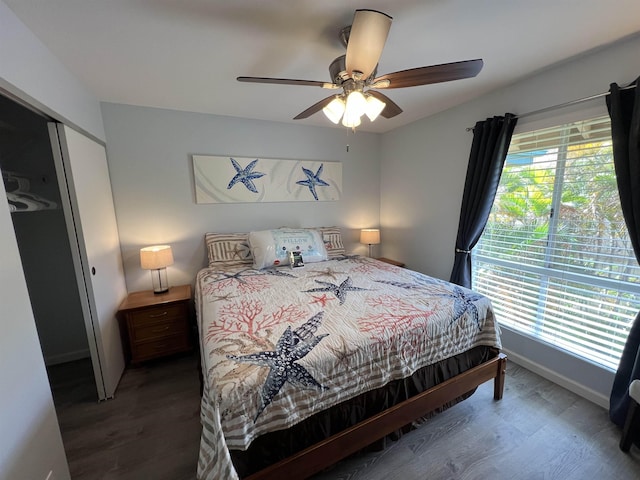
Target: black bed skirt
275, 446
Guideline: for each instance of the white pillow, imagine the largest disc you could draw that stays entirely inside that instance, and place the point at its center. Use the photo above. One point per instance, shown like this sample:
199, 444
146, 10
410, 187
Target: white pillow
269, 247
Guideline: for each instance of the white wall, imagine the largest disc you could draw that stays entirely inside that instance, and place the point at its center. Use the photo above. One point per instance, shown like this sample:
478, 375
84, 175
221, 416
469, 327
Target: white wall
151, 172
29, 70
424, 166
30, 443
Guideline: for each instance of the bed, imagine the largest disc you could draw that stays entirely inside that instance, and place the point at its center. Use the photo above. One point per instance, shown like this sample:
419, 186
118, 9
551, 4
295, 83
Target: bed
304, 366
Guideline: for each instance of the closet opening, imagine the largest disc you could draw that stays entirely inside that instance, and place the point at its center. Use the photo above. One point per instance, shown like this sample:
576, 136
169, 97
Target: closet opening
34, 198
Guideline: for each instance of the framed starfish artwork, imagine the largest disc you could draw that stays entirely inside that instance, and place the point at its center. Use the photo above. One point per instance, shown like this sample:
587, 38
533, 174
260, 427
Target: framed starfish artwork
239, 180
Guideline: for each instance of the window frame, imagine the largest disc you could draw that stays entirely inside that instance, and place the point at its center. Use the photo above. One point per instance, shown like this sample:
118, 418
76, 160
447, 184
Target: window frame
546, 271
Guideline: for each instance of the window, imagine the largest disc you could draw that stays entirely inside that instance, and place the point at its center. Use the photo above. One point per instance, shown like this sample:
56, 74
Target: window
555, 256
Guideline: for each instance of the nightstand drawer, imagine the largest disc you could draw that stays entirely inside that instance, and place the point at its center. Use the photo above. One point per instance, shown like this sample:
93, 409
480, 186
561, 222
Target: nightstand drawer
150, 331
160, 313
161, 347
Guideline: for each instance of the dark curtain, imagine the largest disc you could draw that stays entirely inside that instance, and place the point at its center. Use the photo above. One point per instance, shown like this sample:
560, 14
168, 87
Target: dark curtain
491, 139
624, 110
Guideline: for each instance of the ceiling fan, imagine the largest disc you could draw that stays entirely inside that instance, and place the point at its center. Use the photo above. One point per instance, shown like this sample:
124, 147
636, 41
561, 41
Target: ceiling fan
355, 73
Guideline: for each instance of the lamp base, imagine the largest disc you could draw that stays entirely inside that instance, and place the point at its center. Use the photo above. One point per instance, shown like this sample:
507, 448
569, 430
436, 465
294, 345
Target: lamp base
160, 281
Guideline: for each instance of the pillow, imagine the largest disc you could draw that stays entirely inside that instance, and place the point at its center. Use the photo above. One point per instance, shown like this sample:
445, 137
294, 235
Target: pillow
269, 247
332, 239
228, 249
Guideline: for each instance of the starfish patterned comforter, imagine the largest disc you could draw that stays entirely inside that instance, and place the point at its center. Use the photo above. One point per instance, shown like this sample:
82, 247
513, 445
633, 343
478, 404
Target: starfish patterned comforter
279, 345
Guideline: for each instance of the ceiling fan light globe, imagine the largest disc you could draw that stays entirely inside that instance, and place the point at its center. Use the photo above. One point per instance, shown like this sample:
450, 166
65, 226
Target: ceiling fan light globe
334, 110
374, 107
351, 123
356, 104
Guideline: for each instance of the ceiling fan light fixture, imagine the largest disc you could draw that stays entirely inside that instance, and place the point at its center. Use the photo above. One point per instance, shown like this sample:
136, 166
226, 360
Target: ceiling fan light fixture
351, 121
374, 107
356, 104
334, 110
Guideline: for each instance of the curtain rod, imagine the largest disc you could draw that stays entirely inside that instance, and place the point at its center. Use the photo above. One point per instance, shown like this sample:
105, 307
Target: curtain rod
566, 104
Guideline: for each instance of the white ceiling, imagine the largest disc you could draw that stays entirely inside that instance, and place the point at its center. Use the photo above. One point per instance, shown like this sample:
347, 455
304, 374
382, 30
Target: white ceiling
186, 54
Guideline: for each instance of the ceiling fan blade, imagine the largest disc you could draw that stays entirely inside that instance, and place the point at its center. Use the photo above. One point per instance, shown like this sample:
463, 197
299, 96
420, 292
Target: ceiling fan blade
316, 107
288, 81
391, 109
432, 74
368, 35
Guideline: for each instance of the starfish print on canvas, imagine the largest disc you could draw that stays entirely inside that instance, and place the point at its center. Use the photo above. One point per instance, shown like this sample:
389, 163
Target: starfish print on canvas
245, 175
282, 362
340, 291
313, 180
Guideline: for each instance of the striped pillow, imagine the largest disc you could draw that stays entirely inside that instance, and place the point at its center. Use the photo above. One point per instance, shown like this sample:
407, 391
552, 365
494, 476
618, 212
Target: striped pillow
332, 241
228, 249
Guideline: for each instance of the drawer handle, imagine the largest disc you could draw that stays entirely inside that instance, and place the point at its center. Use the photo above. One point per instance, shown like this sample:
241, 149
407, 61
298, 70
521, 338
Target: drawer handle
159, 315
159, 347
158, 330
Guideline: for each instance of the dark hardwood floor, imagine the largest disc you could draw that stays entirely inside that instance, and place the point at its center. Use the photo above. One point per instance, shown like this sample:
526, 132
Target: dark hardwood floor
149, 431
537, 431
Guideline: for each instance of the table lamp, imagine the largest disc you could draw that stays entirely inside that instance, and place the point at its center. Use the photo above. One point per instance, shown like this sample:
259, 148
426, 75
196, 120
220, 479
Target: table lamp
370, 236
157, 258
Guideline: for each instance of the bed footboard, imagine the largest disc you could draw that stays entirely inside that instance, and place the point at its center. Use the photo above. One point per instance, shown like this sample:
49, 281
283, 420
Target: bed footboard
333, 449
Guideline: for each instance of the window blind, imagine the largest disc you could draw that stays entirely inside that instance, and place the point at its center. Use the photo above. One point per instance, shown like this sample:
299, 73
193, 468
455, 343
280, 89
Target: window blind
555, 256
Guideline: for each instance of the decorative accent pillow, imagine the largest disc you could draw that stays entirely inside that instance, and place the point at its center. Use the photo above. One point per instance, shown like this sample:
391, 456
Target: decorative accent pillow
269, 247
228, 249
332, 238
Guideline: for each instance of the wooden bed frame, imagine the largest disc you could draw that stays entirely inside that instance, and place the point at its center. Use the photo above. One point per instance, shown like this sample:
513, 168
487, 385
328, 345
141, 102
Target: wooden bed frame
333, 449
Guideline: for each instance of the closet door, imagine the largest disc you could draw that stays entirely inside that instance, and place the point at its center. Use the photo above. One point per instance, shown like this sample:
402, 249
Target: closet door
82, 164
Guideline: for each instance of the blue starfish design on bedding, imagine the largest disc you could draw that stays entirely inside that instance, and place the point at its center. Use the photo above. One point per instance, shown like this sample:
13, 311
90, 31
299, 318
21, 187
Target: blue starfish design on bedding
313, 180
463, 302
245, 175
352, 258
340, 291
291, 347
239, 276
234, 276
405, 285
277, 273
421, 282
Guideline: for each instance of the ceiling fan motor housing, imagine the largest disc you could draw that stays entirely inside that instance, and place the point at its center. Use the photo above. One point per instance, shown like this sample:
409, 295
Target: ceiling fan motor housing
339, 75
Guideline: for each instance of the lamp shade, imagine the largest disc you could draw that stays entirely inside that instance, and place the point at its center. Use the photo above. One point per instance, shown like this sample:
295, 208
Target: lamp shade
374, 107
370, 236
155, 257
334, 110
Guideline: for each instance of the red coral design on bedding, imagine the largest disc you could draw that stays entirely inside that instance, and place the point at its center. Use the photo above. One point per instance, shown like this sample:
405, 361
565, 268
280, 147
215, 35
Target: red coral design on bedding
396, 318
248, 317
248, 284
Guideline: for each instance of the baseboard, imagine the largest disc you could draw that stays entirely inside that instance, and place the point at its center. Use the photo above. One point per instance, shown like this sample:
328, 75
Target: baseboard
66, 357
577, 388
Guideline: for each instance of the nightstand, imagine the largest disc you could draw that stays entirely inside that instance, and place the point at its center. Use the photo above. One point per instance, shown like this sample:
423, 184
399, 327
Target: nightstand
155, 325
391, 262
